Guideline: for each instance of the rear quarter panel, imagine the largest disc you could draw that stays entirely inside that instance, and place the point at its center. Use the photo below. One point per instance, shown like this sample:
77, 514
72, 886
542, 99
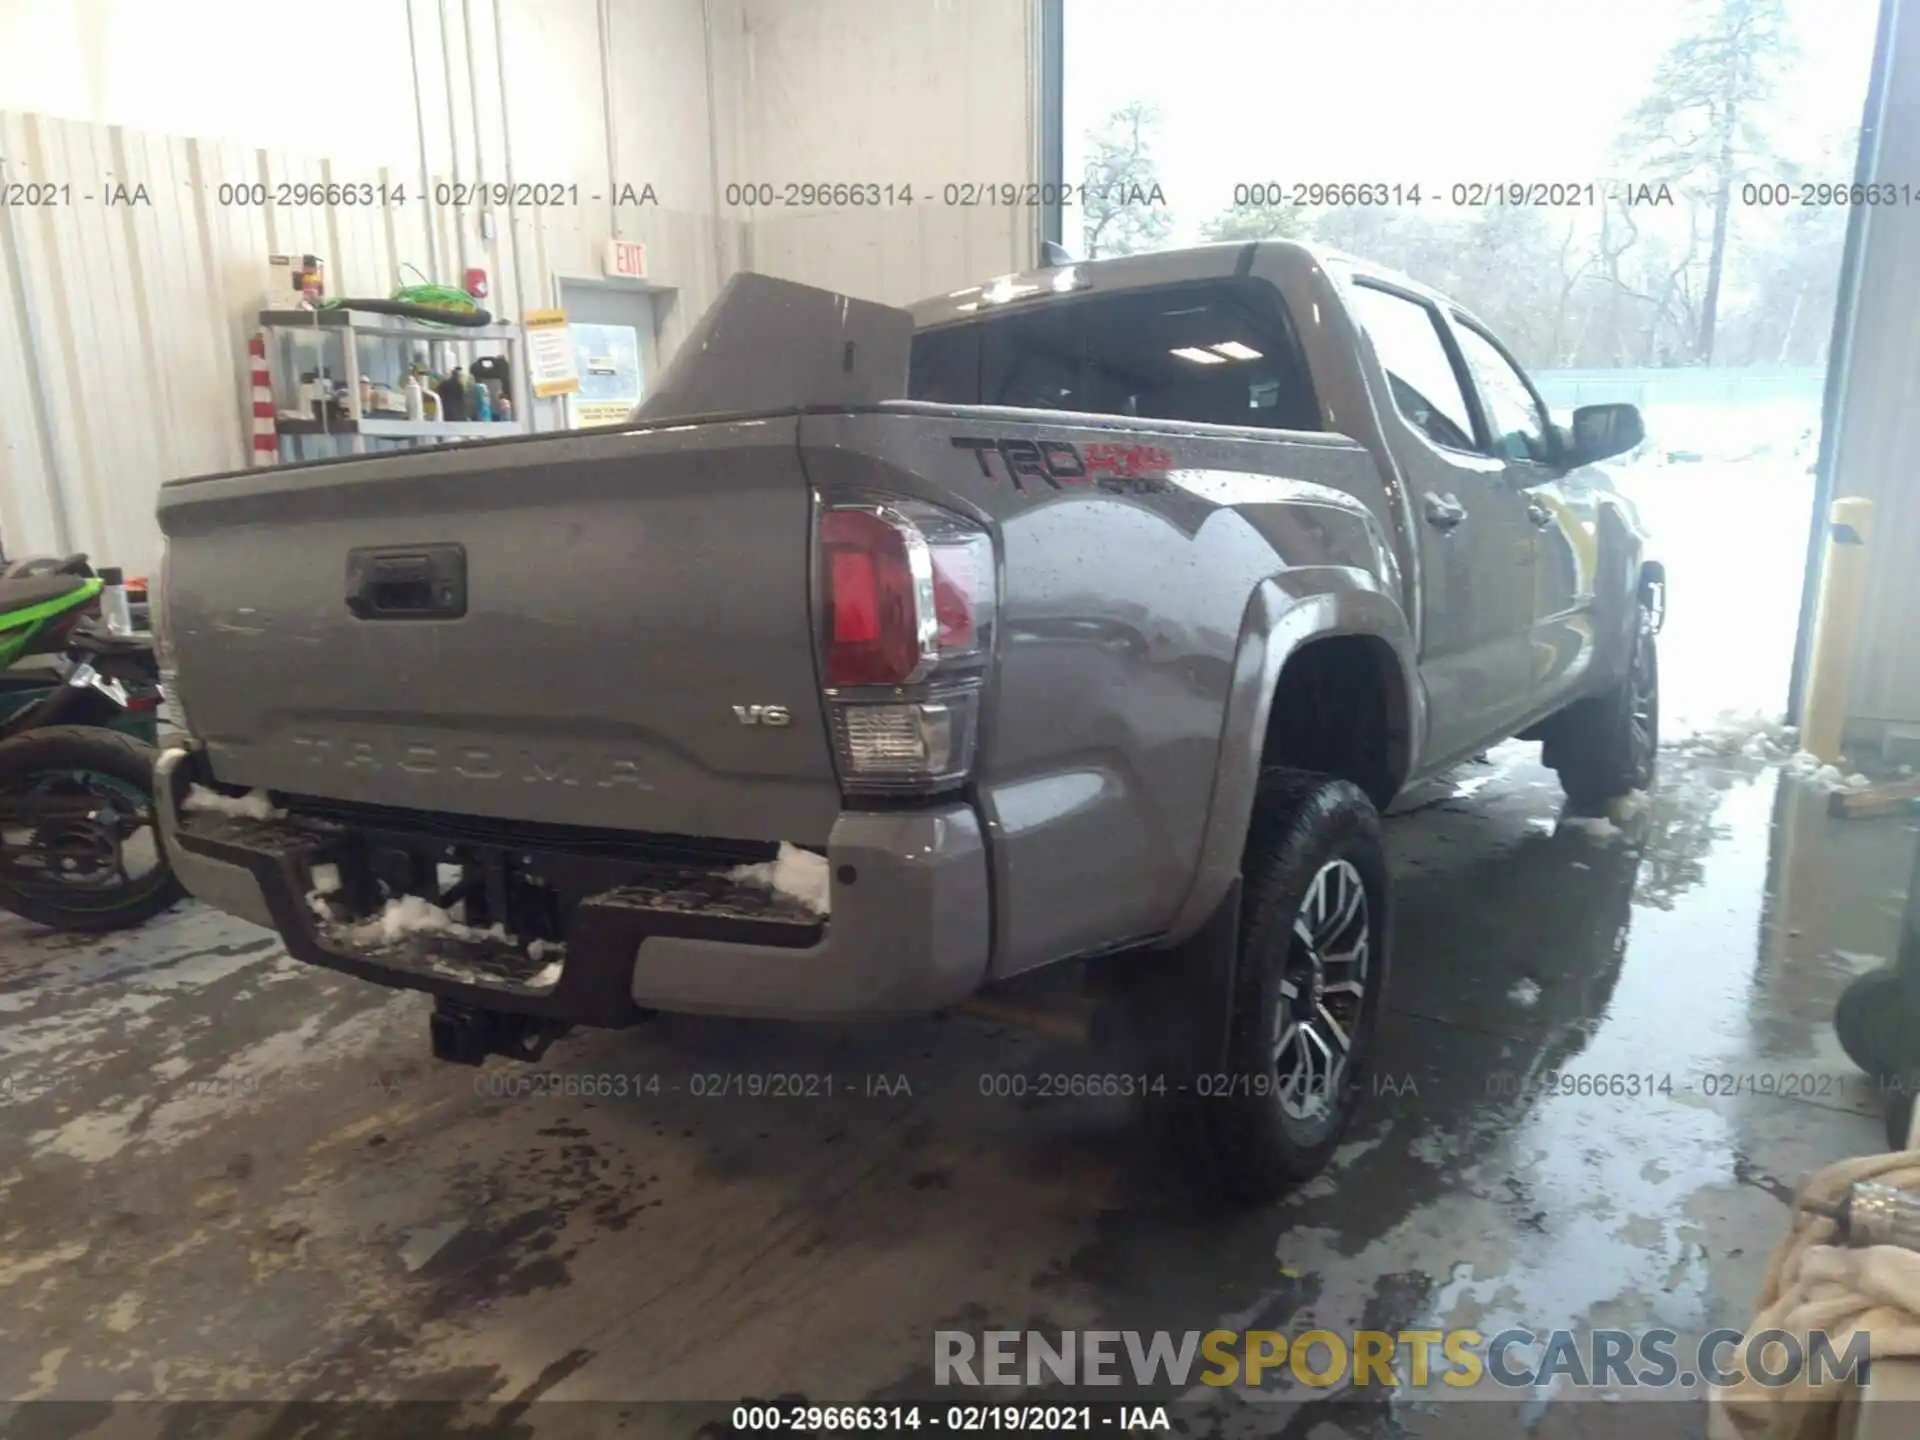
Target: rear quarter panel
1123, 602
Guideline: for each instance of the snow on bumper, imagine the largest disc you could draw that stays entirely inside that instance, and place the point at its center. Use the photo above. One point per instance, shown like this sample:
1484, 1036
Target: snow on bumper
909, 928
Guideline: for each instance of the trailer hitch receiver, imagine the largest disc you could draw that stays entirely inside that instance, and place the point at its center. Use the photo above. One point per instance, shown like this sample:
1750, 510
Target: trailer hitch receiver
467, 1034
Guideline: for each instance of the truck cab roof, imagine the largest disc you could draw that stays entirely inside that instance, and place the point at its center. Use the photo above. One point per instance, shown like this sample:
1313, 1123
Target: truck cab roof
1044, 284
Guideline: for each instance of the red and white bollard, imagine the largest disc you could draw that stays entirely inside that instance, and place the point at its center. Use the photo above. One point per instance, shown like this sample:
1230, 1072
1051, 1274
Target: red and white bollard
266, 439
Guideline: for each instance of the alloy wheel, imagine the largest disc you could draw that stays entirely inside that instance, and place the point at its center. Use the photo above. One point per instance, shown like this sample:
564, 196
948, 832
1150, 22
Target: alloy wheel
1323, 992
73, 833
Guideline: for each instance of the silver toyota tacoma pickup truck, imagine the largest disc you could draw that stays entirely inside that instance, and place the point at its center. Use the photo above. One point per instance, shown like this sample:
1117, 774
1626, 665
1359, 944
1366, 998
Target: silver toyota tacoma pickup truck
887, 656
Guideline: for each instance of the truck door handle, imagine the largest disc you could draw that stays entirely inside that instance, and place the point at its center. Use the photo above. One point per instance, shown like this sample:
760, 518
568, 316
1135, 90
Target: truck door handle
1444, 512
1539, 514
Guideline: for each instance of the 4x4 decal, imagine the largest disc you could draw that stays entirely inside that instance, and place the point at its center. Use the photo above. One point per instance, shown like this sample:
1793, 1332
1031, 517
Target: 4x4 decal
1116, 469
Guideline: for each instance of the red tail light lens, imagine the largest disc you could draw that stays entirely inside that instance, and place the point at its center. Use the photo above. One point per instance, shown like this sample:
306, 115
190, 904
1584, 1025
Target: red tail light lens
873, 613
908, 592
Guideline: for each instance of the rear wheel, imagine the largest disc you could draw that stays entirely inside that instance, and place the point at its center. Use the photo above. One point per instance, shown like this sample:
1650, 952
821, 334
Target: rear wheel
1307, 987
79, 846
1605, 746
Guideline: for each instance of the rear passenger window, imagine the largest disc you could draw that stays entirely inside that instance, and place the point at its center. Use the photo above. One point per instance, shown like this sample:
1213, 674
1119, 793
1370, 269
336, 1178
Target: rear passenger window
1221, 352
1406, 336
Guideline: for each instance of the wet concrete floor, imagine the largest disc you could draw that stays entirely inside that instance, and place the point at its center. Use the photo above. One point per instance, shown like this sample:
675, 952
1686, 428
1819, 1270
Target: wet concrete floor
224, 1175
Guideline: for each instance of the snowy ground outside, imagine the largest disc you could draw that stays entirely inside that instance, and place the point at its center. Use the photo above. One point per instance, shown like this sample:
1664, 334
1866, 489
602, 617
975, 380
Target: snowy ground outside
1731, 527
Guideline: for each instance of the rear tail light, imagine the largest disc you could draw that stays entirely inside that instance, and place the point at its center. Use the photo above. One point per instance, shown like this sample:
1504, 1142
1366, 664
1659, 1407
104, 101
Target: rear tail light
906, 626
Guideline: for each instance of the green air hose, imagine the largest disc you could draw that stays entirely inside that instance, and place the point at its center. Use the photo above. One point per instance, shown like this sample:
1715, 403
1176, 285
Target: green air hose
440, 303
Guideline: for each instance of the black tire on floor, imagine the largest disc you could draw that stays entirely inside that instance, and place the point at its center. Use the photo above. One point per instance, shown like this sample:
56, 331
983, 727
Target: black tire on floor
1607, 745
119, 757
1871, 1022
1313, 854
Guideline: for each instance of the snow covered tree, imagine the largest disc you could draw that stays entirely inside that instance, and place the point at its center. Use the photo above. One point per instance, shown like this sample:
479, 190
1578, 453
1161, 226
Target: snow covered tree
1255, 222
1702, 126
1124, 210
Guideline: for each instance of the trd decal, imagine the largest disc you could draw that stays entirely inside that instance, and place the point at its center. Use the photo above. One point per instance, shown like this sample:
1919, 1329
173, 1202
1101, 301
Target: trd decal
1116, 469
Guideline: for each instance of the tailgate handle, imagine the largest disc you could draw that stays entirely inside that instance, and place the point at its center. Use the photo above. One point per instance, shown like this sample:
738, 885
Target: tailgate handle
413, 582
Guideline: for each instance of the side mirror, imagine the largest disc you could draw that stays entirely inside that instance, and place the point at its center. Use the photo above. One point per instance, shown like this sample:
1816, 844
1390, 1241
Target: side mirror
1602, 431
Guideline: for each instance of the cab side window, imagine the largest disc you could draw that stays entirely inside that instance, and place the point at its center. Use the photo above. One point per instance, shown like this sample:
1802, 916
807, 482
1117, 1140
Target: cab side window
1426, 390
1518, 425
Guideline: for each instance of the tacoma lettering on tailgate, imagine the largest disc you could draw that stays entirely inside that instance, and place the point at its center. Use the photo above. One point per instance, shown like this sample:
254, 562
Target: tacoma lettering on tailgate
474, 762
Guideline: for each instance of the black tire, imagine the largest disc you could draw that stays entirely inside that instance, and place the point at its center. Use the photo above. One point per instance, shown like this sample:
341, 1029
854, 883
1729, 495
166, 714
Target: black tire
1869, 1019
1305, 826
1609, 744
1877, 1022
116, 756
1900, 1110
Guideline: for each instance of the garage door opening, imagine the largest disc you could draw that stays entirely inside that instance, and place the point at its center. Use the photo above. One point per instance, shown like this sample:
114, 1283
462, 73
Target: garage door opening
1655, 212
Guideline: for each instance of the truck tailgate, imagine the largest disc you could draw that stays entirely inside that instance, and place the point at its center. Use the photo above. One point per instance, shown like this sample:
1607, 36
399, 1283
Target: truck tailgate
587, 630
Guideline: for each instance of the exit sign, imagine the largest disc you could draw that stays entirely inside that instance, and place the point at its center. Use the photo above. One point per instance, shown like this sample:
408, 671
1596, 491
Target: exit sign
626, 259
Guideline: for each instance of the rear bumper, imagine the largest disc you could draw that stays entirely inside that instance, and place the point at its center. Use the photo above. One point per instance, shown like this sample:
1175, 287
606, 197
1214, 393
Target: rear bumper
908, 933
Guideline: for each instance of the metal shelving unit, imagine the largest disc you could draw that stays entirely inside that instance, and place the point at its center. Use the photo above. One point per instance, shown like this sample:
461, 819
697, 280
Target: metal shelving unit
340, 335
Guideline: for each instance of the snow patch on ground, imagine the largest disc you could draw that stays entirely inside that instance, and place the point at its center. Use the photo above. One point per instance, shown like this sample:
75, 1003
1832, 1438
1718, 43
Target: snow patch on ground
1758, 737
1807, 767
1749, 733
1860, 961
1525, 993
799, 873
254, 805
1594, 827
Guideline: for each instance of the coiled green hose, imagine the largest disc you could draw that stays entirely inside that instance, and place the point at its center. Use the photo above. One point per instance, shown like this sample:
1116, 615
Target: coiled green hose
425, 301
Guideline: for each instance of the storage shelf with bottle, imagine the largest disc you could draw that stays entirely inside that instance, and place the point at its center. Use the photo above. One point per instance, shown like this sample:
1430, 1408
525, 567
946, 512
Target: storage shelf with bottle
342, 377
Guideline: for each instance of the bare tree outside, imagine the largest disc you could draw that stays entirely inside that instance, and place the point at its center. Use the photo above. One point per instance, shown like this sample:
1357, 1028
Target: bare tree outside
1702, 126
1674, 262
1647, 207
1255, 222
1123, 206
1620, 282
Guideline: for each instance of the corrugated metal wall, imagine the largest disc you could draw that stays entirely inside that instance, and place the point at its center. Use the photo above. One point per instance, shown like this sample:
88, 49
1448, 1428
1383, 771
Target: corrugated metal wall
1877, 453
123, 326
922, 93
122, 347
122, 360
